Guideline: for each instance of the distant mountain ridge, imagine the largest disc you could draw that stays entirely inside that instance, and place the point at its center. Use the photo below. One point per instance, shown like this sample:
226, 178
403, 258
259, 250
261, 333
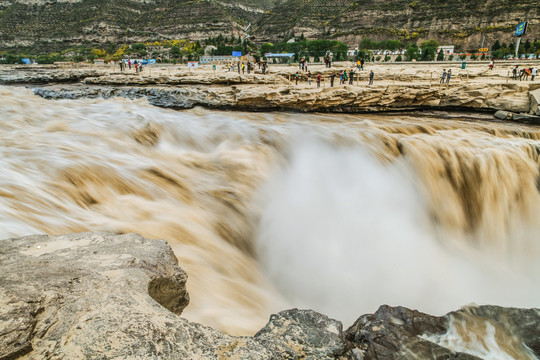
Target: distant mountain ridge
59, 24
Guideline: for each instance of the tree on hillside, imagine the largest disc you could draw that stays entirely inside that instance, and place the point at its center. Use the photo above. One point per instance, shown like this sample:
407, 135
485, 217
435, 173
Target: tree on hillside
390, 44
367, 44
496, 46
266, 48
412, 52
175, 52
139, 48
528, 46
429, 49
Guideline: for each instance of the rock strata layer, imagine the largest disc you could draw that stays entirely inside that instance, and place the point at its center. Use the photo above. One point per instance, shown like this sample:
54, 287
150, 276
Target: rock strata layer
98, 295
508, 97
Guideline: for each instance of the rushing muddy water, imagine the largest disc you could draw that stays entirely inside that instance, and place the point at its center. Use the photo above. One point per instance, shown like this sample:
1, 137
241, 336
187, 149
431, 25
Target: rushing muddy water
267, 211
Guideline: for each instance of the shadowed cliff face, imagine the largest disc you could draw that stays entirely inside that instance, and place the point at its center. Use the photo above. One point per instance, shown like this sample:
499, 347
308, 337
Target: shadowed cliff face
339, 213
61, 24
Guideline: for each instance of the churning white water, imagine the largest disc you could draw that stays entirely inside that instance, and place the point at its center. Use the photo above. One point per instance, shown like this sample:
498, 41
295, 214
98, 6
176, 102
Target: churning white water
340, 213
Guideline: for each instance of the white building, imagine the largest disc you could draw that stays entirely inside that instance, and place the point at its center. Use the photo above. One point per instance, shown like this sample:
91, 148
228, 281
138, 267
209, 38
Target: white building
447, 49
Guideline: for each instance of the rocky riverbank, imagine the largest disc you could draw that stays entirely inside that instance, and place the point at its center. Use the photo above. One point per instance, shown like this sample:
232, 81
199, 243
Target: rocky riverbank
397, 87
98, 295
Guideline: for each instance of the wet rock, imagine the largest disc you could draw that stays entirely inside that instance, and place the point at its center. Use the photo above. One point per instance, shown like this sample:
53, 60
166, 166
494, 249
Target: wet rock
401, 333
394, 333
503, 115
526, 118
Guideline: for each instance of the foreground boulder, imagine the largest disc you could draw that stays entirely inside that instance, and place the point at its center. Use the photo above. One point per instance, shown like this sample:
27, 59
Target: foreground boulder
96, 295
102, 296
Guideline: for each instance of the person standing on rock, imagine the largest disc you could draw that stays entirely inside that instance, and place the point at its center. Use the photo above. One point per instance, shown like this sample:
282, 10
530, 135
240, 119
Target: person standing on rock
351, 76
332, 79
515, 72
443, 77
533, 73
296, 77
491, 64
238, 65
309, 77
318, 80
371, 76
326, 61
121, 65
448, 75
362, 64
129, 64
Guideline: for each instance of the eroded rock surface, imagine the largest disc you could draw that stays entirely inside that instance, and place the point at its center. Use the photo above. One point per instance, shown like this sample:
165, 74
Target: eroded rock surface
96, 295
101, 296
509, 97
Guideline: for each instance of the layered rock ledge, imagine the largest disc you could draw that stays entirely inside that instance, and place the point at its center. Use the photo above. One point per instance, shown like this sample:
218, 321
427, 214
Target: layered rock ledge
509, 97
101, 296
398, 86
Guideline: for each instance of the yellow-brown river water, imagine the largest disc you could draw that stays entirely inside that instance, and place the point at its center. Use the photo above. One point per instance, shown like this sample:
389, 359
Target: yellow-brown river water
268, 211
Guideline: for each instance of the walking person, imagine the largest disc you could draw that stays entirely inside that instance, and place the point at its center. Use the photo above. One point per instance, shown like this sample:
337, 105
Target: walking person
515, 72
443, 77
362, 64
344, 77
351, 76
332, 79
448, 75
309, 77
296, 77
491, 64
129, 64
371, 76
318, 80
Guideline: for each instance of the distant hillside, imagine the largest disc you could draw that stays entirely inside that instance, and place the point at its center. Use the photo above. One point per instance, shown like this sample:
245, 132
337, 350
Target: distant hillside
449, 21
45, 25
